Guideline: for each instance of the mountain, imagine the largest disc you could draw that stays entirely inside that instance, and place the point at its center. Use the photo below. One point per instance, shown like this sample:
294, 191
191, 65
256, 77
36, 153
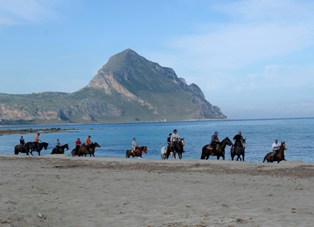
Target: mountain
127, 88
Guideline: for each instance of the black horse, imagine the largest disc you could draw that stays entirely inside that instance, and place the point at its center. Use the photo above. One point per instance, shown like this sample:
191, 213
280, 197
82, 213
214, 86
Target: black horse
60, 149
176, 149
20, 149
208, 150
238, 150
30, 146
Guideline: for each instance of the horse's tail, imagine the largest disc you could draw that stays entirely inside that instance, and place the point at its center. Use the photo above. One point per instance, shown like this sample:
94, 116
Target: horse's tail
126, 153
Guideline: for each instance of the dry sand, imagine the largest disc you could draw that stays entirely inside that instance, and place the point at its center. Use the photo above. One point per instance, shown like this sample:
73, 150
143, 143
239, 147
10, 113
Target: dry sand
66, 191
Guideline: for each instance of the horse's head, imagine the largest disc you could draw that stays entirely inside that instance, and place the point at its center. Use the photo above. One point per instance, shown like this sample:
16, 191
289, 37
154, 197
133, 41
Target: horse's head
283, 145
96, 145
66, 146
227, 141
243, 141
181, 141
45, 145
145, 149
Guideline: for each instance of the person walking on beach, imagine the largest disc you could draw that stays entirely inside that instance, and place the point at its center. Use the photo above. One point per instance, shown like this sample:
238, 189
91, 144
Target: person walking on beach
134, 144
275, 148
78, 144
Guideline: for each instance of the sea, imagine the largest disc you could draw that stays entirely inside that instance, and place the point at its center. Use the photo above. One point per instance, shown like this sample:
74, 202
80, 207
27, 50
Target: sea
115, 139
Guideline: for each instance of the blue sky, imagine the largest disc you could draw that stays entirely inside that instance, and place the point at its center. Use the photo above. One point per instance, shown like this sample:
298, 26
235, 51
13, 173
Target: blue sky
252, 58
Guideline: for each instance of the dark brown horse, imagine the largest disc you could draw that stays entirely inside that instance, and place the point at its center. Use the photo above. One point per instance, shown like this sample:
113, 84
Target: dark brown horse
87, 149
238, 150
280, 156
20, 149
137, 152
60, 149
208, 150
30, 146
176, 149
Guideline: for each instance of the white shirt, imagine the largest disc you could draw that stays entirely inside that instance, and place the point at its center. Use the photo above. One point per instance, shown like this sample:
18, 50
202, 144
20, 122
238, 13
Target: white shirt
174, 137
276, 146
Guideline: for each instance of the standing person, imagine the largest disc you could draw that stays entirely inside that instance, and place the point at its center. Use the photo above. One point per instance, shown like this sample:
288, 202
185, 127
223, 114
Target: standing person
78, 144
22, 141
36, 141
275, 148
238, 140
214, 141
134, 144
174, 139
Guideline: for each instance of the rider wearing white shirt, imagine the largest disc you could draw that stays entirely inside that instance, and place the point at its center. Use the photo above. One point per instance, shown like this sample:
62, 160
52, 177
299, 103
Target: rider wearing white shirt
275, 147
175, 139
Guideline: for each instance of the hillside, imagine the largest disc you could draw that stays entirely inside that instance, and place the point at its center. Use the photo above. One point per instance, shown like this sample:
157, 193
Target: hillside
127, 88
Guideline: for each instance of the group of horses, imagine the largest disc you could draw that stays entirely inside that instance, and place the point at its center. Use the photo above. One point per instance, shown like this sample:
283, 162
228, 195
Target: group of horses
166, 151
29, 147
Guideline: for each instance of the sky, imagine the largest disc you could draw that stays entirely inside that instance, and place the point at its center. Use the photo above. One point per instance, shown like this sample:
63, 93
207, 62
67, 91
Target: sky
252, 58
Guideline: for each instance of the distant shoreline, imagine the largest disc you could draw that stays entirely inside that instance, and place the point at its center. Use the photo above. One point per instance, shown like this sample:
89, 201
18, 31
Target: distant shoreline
30, 130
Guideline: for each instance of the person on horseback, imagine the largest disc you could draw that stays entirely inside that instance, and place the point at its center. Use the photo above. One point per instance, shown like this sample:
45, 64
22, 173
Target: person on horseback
78, 144
22, 142
134, 145
88, 141
36, 141
174, 139
169, 139
58, 145
275, 148
238, 140
214, 141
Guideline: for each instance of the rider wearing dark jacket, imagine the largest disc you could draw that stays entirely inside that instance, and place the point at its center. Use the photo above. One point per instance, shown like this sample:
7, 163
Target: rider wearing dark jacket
238, 140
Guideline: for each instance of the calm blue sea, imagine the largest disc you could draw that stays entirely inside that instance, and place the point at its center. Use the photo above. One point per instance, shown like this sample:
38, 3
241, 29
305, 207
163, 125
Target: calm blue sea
116, 138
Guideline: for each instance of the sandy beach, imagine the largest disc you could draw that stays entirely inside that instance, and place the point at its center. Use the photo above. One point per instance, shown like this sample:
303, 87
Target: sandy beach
65, 191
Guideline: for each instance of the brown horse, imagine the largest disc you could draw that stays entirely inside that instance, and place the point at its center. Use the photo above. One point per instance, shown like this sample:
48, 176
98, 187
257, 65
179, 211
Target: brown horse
208, 150
20, 149
176, 149
87, 149
270, 157
137, 152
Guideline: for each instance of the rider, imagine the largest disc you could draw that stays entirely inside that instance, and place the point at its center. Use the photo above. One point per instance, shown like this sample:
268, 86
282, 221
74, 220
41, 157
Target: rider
169, 139
88, 141
174, 139
77, 144
238, 140
275, 148
22, 141
36, 140
134, 144
214, 141
58, 144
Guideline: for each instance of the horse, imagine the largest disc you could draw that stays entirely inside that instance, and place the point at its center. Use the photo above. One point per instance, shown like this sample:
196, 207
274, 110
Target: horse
60, 149
176, 150
20, 149
238, 150
137, 152
269, 157
208, 150
30, 146
163, 152
87, 149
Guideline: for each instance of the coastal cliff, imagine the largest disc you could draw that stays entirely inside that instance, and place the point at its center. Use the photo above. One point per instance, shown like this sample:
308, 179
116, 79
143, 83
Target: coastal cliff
128, 88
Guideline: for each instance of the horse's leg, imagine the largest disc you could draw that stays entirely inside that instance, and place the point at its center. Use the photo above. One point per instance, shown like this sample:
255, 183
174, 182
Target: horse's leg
243, 157
38, 153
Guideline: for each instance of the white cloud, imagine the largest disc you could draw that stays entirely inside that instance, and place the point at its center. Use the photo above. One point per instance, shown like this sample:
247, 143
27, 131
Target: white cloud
26, 11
